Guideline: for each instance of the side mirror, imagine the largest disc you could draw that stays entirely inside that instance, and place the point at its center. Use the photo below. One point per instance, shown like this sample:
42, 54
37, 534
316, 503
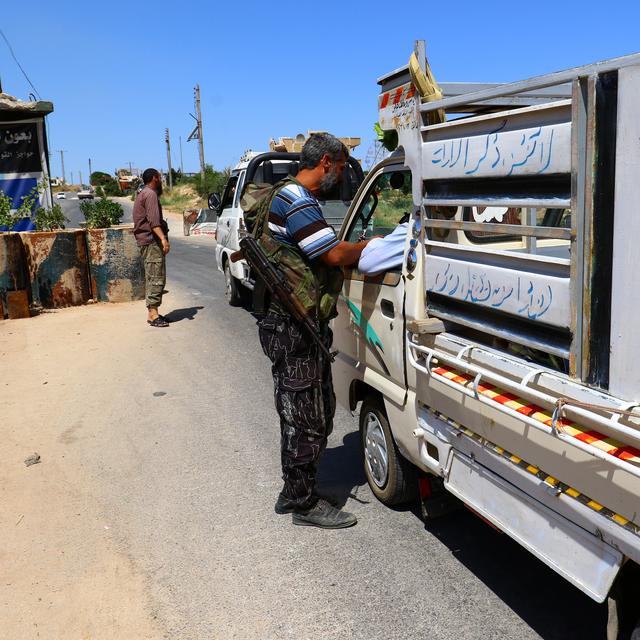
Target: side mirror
214, 201
396, 180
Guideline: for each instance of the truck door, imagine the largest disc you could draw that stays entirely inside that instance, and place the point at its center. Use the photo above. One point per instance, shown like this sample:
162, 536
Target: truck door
370, 327
226, 222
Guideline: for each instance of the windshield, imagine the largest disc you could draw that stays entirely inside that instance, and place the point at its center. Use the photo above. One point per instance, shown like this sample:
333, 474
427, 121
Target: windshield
334, 212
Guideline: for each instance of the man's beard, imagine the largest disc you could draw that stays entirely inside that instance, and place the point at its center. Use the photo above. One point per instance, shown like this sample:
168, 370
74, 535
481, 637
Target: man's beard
159, 189
328, 183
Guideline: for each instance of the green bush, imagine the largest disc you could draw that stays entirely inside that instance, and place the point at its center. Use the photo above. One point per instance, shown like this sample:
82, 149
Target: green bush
112, 189
7, 219
50, 219
101, 213
214, 181
25, 210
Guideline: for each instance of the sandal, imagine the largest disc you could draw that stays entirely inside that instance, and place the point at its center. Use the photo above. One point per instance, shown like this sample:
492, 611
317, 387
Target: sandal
158, 322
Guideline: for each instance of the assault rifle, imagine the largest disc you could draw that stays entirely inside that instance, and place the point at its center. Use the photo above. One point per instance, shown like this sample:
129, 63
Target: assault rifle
278, 286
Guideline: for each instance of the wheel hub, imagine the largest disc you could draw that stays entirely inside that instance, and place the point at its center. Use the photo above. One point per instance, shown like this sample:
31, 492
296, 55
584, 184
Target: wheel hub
376, 450
227, 281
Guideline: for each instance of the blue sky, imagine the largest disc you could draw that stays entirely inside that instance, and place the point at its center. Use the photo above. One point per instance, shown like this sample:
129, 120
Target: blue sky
119, 73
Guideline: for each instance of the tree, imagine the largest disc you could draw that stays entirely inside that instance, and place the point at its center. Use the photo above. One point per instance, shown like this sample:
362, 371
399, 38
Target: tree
100, 178
214, 181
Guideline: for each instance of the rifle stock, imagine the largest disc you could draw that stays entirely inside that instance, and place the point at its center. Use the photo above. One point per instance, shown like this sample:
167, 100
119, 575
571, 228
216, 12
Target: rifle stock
278, 286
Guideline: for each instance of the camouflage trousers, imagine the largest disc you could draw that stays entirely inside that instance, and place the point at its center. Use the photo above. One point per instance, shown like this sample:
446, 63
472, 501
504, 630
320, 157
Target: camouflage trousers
304, 401
155, 273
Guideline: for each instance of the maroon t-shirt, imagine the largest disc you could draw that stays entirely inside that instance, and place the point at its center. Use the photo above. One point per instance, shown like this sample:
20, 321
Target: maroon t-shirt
147, 214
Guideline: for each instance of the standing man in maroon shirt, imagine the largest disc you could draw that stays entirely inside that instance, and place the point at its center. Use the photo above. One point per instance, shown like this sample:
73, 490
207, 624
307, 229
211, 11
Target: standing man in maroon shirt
150, 231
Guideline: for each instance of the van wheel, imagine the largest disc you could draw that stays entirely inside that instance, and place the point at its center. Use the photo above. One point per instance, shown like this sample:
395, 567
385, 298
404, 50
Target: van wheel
392, 479
232, 287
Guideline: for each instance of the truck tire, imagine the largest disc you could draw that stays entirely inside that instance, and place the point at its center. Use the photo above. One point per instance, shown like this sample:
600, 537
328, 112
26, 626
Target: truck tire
393, 480
231, 287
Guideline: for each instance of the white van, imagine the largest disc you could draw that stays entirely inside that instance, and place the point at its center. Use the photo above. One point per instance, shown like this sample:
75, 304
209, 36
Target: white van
269, 167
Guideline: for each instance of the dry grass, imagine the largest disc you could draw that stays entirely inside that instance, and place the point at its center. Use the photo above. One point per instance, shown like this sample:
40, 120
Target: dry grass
183, 196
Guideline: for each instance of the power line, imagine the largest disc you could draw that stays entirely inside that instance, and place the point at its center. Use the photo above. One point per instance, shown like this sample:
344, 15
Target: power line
13, 55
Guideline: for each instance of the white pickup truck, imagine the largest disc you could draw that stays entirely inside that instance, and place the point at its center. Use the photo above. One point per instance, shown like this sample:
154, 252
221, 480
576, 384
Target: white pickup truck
269, 167
501, 362
86, 194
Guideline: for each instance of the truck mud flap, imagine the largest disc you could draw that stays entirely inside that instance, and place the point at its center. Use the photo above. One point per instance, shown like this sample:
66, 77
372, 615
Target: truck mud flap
584, 560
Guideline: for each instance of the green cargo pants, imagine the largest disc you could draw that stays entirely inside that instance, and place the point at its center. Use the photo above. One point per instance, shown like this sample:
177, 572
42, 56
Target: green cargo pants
155, 273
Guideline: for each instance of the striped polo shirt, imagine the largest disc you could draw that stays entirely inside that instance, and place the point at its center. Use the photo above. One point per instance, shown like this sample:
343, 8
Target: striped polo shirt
295, 219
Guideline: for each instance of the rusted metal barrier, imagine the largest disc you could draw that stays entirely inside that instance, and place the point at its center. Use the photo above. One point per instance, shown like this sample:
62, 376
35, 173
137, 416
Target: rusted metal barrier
58, 267
18, 304
115, 264
13, 270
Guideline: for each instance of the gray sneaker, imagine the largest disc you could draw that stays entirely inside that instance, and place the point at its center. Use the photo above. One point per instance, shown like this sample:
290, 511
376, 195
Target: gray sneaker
325, 516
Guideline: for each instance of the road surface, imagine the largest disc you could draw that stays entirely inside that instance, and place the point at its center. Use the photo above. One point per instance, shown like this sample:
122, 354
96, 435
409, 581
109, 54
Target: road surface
174, 436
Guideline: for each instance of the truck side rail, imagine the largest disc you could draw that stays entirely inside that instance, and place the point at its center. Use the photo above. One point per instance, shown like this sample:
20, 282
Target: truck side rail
422, 358
509, 229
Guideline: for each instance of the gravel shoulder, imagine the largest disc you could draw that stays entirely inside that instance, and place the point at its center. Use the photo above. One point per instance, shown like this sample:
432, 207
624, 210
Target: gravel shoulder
64, 574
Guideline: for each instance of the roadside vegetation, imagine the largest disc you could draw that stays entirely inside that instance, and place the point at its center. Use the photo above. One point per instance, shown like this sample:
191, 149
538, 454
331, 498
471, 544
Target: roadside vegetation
106, 185
50, 219
101, 213
183, 196
44, 219
190, 193
390, 210
65, 188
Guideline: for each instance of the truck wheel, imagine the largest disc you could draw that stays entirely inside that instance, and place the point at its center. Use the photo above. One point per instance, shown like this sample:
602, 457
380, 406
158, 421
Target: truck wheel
232, 287
392, 479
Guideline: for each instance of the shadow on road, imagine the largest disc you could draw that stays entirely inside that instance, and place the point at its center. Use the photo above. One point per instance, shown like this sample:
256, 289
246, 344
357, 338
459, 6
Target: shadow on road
188, 313
544, 600
540, 597
341, 471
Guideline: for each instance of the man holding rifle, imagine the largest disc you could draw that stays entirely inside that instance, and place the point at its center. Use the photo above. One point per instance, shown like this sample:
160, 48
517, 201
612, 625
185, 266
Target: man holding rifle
308, 259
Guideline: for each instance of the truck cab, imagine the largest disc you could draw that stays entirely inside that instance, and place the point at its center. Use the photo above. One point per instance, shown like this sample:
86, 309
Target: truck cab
499, 361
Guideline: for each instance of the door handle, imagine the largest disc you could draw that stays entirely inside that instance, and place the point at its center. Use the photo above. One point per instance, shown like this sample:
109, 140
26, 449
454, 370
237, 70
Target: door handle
228, 223
387, 308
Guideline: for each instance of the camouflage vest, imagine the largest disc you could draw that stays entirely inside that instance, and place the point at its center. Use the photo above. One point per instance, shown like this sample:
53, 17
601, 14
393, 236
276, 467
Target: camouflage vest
316, 284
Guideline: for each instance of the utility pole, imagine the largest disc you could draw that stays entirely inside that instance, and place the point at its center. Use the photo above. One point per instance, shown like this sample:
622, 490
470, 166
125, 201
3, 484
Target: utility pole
62, 152
72, 177
196, 134
80, 172
130, 169
181, 165
200, 141
90, 171
167, 140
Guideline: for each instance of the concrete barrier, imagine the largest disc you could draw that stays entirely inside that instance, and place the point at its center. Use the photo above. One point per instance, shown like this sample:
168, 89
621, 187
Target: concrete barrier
115, 264
58, 267
13, 268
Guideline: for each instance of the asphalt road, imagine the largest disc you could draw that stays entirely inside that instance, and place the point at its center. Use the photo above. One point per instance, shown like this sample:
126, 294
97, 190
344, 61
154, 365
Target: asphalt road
184, 459
71, 209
